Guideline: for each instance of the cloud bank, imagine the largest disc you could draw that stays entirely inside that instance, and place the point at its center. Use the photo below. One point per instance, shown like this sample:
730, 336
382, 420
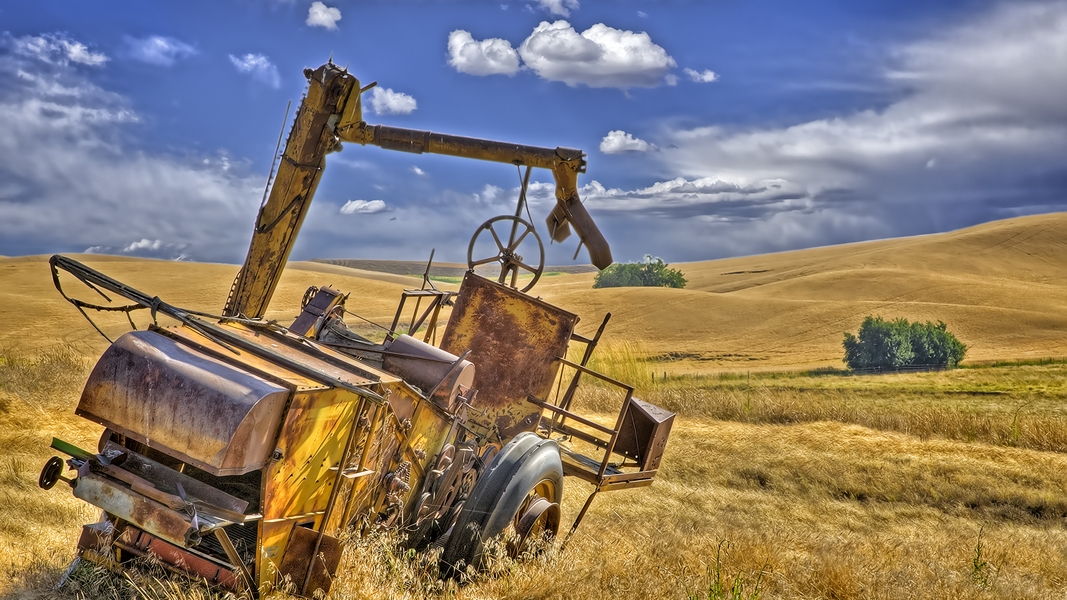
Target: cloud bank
599, 57
71, 180
977, 131
978, 134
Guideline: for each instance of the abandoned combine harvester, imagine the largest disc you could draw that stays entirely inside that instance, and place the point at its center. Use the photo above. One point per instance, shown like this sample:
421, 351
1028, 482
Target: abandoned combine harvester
237, 450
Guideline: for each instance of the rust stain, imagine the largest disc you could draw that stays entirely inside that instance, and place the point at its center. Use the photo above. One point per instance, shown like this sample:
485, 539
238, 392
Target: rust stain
514, 341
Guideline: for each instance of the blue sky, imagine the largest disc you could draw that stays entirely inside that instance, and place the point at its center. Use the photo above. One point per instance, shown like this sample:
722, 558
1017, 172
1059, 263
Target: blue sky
712, 129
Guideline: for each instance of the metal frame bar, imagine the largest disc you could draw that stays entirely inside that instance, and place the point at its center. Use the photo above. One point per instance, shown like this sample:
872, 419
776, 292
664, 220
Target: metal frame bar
608, 445
439, 297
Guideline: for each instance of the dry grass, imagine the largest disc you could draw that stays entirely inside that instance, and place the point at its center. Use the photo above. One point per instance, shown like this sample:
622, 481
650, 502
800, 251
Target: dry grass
791, 508
37, 528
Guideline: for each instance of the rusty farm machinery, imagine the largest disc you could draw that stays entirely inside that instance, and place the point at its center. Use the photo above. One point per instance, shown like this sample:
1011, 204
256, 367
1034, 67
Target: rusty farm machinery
236, 450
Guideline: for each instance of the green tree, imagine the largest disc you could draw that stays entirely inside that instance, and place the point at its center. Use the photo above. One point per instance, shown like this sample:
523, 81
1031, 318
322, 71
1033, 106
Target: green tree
933, 345
651, 272
897, 344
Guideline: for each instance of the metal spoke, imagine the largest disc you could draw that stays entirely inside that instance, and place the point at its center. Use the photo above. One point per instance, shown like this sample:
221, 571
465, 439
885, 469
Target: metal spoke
485, 261
499, 245
519, 263
521, 238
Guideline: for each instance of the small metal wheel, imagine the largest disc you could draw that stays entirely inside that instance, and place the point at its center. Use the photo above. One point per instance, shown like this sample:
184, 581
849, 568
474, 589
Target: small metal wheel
512, 264
536, 522
521, 489
309, 295
51, 473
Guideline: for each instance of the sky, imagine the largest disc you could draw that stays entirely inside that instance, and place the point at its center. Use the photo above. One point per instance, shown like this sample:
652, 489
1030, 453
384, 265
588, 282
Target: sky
711, 129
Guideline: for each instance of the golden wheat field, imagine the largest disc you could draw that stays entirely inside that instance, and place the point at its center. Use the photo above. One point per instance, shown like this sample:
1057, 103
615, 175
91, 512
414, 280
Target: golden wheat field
783, 478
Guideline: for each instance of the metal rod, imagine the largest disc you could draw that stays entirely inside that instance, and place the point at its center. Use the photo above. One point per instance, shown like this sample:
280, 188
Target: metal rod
581, 515
235, 558
518, 210
533, 400
615, 436
347, 514
589, 347
418, 142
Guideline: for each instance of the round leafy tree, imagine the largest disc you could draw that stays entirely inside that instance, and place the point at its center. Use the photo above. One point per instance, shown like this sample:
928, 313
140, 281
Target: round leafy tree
651, 272
898, 344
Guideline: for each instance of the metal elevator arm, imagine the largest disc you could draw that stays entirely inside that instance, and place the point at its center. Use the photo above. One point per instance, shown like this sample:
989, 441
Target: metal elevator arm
565, 164
329, 90
332, 113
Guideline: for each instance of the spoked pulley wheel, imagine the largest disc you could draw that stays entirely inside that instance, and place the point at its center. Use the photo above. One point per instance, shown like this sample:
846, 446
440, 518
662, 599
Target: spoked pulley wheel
500, 240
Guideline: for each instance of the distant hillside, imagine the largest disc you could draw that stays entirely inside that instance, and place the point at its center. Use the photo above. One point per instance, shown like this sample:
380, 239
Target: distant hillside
1001, 287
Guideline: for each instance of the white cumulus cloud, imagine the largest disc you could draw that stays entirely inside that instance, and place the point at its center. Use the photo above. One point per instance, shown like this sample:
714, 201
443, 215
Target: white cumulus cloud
364, 207
562, 8
618, 141
320, 15
57, 49
600, 56
259, 67
705, 76
492, 56
384, 101
158, 50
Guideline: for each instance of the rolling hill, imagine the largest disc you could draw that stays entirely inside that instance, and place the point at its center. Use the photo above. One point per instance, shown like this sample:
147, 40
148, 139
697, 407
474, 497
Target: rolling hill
1000, 286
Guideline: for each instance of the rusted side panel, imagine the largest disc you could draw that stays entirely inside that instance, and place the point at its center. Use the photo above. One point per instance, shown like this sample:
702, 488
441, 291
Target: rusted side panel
142, 543
147, 514
299, 556
297, 487
168, 396
514, 341
167, 480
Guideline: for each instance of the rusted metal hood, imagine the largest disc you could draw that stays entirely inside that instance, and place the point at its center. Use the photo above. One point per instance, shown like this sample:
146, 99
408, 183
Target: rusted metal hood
176, 399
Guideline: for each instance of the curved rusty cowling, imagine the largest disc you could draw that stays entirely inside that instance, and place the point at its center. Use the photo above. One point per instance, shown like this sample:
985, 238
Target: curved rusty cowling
171, 397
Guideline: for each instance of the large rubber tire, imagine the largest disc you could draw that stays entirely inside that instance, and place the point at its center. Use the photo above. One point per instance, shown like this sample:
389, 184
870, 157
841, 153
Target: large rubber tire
527, 463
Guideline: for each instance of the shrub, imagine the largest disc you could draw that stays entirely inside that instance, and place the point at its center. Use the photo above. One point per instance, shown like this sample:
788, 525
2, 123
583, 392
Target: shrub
651, 272
898, 344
